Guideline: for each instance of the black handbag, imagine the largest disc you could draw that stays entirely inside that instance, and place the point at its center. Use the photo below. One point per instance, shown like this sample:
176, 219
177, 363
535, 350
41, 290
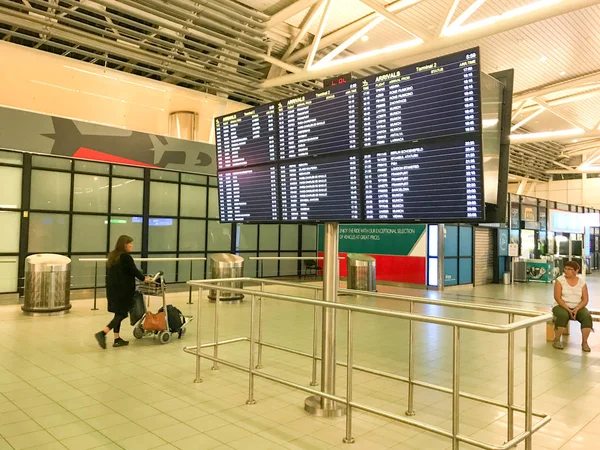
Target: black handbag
138, 308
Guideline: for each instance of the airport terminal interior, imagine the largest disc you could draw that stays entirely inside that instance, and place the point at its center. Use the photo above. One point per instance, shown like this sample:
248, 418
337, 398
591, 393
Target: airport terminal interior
426, 167
59, 390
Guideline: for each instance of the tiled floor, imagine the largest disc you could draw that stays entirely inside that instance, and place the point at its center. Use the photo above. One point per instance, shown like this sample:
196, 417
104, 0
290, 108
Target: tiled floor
59, 390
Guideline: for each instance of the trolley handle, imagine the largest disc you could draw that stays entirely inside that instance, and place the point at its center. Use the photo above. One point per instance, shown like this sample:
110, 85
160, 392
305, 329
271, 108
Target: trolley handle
158, 274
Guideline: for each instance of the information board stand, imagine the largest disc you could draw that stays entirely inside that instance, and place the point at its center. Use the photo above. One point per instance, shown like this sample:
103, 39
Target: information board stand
317, 405
513, 252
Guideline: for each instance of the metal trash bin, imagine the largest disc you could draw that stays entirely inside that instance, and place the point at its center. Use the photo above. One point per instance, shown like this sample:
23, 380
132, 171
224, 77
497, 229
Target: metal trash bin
506, 278
361, 272
47, 284
226, 265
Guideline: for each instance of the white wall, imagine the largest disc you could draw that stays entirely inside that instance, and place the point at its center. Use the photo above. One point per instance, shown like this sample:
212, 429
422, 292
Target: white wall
585, 192
42, 82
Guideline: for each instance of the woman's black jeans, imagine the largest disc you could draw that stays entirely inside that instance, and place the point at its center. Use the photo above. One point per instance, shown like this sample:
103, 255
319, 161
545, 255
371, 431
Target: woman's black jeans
115, 323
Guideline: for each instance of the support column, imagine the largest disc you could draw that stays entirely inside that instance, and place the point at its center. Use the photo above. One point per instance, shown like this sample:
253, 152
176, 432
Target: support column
315, 404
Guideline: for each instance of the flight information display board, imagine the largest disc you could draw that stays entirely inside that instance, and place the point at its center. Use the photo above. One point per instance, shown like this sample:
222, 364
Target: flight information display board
318, 123
401, 146
246, 138
249, 194
430, 181
426, 100
317, 189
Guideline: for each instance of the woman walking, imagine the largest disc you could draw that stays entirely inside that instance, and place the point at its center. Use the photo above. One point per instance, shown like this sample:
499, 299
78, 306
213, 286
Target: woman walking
121, 273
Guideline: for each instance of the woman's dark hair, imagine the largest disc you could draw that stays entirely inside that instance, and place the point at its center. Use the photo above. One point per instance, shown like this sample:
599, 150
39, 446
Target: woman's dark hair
573, 265
120, 248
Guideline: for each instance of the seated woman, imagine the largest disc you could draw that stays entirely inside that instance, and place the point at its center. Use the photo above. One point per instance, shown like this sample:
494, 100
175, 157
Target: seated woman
571, 294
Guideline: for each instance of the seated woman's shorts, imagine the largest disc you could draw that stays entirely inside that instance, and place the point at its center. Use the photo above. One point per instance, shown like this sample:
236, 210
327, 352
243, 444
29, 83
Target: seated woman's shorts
562, 317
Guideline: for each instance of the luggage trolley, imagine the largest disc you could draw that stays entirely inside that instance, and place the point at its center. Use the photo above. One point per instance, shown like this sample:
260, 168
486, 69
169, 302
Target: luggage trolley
156, 288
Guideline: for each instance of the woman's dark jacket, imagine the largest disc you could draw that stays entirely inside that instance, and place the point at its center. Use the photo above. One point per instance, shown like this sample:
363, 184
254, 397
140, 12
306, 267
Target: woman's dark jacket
120, 284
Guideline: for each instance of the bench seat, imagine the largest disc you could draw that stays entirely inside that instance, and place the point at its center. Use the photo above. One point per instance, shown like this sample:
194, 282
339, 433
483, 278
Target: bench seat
550, 325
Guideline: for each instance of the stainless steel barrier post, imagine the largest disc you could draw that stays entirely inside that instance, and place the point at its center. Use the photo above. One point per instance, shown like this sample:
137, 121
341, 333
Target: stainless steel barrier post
314, 381
511, 382
455, 388
95, 285
216, 339
320, 405
260, 328
349, 348
191, 278
198, 337
411, 366
251, 400
528, 386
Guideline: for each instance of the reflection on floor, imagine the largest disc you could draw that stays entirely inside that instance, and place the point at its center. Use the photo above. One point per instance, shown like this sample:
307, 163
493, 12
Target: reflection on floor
59, 390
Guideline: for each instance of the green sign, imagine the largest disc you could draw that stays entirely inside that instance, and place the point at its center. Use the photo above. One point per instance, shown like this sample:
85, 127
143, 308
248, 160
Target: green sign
377, 239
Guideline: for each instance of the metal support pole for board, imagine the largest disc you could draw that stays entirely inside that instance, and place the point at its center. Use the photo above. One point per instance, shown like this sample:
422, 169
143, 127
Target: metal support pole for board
260, 328
191, 278
511, 382
528, 386
95, 285
215, 366
319, 405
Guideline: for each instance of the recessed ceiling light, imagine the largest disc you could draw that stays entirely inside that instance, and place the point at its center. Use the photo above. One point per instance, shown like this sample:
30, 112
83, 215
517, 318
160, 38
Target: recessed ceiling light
575, 140
544, 58
563, 73
365, 38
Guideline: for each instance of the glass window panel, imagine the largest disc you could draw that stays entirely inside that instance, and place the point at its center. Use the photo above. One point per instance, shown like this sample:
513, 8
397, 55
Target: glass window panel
451, 240
309, 237
11, 158
90, 194
465, 271
82, 273
164, 175
48, 233
89, 233
92, 167
212, 181
432, 272
198, 270
50, 190
433, 240
193, 178
269, 266
162, 235
193, 201
269, 237
450, 271
248, 237
219, 236
127, 196
169, 268
163, 199
130, 226
10, 224
466, 241
192, 235
250, 265
10, 272
289, 237
288, 267
213, 203
10, 187
128, 171
51, 162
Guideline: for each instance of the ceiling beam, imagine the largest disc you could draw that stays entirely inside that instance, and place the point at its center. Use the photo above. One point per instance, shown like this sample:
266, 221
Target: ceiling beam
553, 136
564, 117
573, 83
342, 33
289, 12
446, 42
381, 10
315, 43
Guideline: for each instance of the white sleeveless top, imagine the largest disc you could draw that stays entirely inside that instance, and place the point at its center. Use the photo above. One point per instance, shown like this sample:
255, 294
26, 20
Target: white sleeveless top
571, 295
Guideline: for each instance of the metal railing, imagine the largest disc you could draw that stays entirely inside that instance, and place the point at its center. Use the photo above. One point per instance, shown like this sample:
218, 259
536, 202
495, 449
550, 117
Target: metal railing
255, 354
261, 260
103, 260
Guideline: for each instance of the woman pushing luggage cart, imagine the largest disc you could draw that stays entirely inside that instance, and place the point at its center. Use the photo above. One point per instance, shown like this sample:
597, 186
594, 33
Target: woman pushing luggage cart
163, 323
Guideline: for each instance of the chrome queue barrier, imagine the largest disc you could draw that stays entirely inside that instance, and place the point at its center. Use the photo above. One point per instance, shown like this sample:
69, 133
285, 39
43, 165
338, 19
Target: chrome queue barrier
532, 318
103, 260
